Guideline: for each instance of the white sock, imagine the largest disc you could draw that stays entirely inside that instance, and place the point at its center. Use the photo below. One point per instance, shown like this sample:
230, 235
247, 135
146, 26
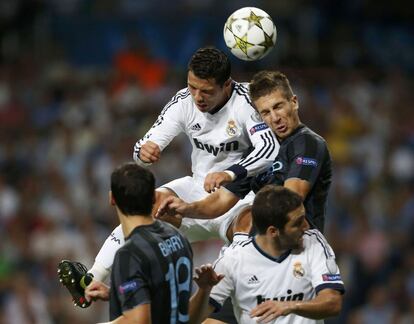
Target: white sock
105, 257
99, 272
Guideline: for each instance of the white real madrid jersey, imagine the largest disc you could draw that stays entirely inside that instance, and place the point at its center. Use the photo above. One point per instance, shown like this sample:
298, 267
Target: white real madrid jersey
252, 276
220, 140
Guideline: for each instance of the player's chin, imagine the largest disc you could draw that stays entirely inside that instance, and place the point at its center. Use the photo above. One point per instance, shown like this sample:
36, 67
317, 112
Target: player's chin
203, 107
299, 243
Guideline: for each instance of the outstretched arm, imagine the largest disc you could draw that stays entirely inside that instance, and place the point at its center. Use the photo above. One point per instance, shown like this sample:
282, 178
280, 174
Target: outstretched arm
205, 278
168, 125
214, 205
265, 148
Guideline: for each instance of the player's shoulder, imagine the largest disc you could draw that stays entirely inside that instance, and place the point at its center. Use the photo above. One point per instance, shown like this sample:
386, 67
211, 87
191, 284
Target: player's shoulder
314, 239
303, 138
238, 247
182, 96
242, 97
307, 134
231, 256
241, 87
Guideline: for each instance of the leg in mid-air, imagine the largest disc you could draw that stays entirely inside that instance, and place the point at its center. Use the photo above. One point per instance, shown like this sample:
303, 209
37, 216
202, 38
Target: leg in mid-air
242, 224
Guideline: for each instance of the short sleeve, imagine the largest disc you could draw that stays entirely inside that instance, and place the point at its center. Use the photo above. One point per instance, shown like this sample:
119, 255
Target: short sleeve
306, 158
324, 270
131, 287
225, 287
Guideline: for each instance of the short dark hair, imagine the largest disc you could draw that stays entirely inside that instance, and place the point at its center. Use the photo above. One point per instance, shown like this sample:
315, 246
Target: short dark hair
133, 189
265, 82
271, 207
210, 62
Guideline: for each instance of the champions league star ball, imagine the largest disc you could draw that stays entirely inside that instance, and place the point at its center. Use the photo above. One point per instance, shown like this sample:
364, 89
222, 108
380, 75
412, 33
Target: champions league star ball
250, 33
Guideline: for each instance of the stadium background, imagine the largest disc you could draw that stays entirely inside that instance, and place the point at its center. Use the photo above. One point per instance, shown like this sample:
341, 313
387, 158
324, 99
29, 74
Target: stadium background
82, 80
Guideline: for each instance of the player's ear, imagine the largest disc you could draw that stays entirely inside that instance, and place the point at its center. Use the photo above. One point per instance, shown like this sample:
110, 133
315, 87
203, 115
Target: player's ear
272, 231
227, 83
111, 199
295, 102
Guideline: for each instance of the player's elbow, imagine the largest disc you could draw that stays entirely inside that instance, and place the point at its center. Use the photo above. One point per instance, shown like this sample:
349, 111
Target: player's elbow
334, 305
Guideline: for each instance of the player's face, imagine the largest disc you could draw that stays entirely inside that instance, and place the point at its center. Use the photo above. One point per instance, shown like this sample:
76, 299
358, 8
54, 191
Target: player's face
292, 235
279, 113
206, 93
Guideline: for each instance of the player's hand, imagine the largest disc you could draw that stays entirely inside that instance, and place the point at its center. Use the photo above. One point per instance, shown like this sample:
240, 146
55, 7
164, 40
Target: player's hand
172, 206
150, 152
270, 310
206, 277
215, 180
171, 210
96, 290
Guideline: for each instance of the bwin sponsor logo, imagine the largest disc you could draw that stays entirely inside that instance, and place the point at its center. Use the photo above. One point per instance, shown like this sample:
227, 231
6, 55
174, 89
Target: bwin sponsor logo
227, 147
299, 296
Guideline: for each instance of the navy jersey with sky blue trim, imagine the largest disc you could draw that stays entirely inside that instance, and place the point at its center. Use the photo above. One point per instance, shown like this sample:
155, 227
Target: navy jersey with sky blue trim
154, 266
303, 155
232, 138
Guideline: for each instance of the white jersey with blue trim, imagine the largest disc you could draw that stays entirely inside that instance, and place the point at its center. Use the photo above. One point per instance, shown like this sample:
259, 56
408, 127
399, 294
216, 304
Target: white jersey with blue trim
252, 276
220, 141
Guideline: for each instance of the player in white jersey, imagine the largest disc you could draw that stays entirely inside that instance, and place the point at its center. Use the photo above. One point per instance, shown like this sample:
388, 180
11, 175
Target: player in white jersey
229, 142
286, 272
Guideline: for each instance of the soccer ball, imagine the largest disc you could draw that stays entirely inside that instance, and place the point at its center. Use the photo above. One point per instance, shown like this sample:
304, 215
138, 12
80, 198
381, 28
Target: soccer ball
250, 33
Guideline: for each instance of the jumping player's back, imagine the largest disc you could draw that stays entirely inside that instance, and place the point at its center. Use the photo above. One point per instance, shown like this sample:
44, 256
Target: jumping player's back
154, 266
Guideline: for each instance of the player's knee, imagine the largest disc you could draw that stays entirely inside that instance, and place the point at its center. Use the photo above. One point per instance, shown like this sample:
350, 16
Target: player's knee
160, 195
243, 223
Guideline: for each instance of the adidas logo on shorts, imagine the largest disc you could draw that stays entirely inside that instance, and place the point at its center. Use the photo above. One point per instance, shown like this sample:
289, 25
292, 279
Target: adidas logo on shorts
253, 280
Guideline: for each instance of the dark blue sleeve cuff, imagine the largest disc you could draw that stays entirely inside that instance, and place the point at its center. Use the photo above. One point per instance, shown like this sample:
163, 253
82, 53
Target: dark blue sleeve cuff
215, 304
239, 171
334, 286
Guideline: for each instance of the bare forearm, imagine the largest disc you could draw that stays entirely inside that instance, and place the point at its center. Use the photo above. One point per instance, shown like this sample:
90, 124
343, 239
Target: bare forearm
318, 308
199, 306
204, 210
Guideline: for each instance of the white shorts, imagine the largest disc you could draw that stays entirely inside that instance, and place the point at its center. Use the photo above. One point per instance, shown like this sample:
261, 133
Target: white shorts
203, 229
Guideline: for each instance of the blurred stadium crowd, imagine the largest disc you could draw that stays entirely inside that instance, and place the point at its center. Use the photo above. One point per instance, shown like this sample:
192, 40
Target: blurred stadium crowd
81, 81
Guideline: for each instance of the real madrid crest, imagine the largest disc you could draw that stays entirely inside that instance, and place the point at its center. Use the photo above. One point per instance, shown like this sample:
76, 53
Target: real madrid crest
298, 270
231, 128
